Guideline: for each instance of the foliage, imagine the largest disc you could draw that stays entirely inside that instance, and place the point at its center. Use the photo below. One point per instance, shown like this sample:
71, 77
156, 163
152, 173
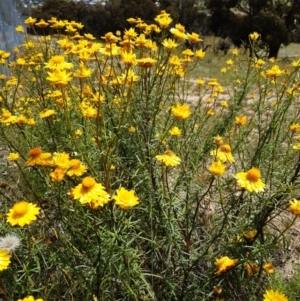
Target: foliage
273, 19
122, 188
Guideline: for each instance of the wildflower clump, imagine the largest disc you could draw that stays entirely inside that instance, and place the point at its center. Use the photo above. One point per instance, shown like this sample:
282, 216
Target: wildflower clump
137, 162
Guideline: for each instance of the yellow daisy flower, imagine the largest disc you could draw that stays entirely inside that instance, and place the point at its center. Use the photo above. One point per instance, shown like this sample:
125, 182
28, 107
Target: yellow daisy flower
268, 268
223, 153
241, 120
295, 207
181, 112
251, 268
58, 174
224, 264
168, 158
59, 78
22, 213
254, 36
125, 198
76, 168
89, 192
272, 295
250, 180
4, 259
217, 168
37, 157
175, 131
13, 157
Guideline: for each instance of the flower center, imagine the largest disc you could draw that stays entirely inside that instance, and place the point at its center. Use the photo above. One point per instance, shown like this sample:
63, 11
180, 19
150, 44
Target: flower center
168, 153
35, 152
6, 115
225, 148
88, 182
57, 59
75, 163
253, 174
20, 209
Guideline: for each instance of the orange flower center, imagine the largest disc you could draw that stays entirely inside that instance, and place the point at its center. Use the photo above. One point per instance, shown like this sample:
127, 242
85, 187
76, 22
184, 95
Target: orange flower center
20, 209
225, 148
88, 182
35, 152
6, 115
75, 163
168, 153
253, 174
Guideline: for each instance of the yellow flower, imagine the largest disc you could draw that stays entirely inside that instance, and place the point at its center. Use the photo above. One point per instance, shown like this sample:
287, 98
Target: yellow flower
295, 207
83, 72
4, 259
57, 62
42, 24
59, 78
163, 19
128, 58
47, 113
169, 44
241, 120
22, 213
30, 21
250, 180
7, 117
268, 268
217, 168
76, 168
251, 268
224, 264
37, 157
125, 198
259, 63
129, 34
194, 37
181, 112
19, 29
168, 158
223, 70
218, 140
178, 34
174, 60
223, 153
250, 235
58, 174
30, 298
90, 192
175, 131
229, 62
61, 160
13, 157
146, 62
224, 104
274, 72
272, 295
200, 81
235, 51
254, 36
78, 133
131, 129
295, 128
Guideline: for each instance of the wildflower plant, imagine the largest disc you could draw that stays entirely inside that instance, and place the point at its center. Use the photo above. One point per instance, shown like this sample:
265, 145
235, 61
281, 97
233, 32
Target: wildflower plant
133, 191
